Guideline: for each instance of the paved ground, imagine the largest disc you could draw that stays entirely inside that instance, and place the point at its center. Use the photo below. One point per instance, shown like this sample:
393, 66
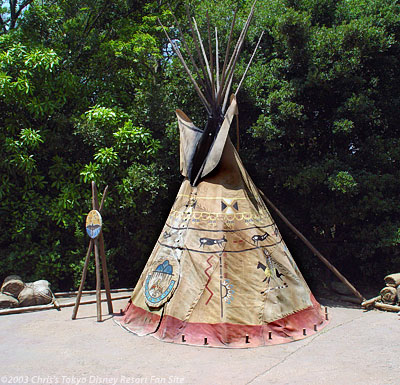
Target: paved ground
46, 347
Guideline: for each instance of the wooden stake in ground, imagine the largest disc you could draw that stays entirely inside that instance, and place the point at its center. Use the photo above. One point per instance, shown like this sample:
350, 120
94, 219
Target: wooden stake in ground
94, 230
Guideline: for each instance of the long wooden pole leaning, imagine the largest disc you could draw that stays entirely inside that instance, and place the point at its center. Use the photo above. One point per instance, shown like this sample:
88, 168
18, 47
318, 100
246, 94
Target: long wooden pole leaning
95, 206
237, 133
387, 307
371, 302
105, 274
50, 306
83, 279
98, 279
62, 294
102, 252
314, 250
98, 245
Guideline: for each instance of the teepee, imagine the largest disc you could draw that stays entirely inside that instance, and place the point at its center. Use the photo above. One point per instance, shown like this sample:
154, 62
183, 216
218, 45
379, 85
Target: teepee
220, 273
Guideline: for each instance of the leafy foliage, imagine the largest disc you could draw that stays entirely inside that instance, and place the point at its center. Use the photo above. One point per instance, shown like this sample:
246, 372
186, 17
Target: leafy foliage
76, 97
328, 129
87, 92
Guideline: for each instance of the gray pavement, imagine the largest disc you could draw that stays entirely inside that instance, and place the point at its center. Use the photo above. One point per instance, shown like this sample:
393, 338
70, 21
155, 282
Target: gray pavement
47, 347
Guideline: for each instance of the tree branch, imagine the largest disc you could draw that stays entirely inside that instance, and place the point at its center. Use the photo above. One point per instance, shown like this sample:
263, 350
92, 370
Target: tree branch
13, 20
14, 14
23, 5
3, 24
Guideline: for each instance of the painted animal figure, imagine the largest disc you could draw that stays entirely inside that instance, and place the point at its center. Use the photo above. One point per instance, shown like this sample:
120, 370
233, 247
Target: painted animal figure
279, 275
269, 272
210, 241
259, 238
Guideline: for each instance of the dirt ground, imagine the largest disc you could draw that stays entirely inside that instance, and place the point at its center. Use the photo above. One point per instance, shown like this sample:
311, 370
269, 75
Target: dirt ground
47, 347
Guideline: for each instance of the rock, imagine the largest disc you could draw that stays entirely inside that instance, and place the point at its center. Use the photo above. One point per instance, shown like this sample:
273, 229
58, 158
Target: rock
35, 293
12, 285
7, 301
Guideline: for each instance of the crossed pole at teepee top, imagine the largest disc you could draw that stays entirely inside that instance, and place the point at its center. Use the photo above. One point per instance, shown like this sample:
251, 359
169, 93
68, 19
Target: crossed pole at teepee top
98, 243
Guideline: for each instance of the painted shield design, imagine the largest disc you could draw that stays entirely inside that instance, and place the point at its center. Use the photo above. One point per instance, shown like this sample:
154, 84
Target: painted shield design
161, 281
93, 224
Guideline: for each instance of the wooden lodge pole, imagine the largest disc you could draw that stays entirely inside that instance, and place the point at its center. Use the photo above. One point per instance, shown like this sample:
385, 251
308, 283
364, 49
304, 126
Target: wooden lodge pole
371, 302
387, 307
105, 273
237, 133
74, 293
18, 310
98, 279
95, 206
83, 279
96, 242
101, 249
314, 250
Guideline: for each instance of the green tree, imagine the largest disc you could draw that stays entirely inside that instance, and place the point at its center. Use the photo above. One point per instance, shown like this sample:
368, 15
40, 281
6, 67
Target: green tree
327, 137
88, 90
77, 86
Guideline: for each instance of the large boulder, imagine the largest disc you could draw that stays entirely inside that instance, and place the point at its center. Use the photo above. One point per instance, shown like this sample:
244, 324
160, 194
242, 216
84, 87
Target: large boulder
7, 301
12, 285
35, 293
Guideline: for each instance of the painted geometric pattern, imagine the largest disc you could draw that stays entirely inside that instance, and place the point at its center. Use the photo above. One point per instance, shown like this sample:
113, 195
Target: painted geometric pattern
161, 280
218, 232
221, 260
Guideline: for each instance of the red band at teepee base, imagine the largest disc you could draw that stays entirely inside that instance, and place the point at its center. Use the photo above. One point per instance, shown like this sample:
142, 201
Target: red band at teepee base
290, 328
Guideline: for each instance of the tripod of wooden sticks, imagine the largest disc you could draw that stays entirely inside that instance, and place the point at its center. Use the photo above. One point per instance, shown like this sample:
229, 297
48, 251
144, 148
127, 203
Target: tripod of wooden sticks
98, 245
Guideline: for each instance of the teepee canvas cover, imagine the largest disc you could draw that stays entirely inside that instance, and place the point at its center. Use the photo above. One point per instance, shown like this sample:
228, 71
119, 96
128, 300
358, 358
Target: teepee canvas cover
220, 273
